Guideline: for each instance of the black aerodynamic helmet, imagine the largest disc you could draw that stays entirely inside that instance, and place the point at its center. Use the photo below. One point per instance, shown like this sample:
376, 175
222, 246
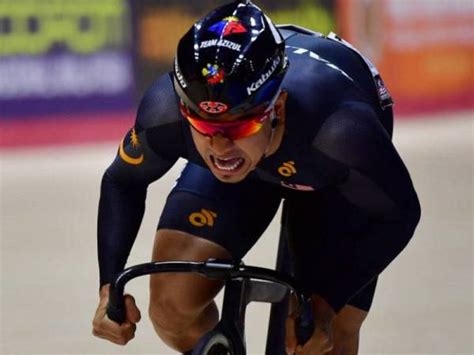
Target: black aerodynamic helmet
230, 63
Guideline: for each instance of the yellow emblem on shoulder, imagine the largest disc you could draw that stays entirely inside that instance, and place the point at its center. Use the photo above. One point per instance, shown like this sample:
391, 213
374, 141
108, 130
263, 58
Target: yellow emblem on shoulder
135, 143
134, 139
287, 169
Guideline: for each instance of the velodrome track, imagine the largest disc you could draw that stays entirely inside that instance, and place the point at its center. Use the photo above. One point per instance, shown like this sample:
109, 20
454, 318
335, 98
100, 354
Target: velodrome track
423, 304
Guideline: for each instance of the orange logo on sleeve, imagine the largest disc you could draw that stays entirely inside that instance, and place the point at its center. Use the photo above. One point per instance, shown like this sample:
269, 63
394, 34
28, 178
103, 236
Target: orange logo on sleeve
135, 145
202, 218
287, 169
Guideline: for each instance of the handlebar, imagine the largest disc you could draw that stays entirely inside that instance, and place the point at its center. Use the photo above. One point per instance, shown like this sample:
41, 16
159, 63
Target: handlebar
214, 269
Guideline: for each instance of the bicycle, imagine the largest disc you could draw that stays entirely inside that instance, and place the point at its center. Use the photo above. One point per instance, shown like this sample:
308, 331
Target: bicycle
243, 284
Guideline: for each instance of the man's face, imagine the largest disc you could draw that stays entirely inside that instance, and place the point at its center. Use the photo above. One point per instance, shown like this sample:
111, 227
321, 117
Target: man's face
232, 160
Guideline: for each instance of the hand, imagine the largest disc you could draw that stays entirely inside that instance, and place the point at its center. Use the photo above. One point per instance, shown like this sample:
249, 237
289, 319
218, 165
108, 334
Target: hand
321, 341
105, 328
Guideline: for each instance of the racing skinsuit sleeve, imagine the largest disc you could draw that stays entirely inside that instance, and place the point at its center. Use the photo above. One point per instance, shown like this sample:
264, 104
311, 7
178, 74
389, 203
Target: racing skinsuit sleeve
146, 153
379, 186
122, 203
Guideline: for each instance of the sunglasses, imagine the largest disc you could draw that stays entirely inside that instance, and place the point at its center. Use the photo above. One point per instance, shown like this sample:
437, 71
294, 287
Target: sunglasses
231, 129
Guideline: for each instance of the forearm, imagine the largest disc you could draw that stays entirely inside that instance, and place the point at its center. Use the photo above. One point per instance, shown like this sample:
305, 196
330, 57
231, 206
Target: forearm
121, 210
323, 313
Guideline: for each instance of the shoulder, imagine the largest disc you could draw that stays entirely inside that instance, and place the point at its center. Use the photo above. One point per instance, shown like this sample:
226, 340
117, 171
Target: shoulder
324, 76
313, 73
319, 52
350, 132
351, 119
316, 88
326, 63
159, 124
159, 105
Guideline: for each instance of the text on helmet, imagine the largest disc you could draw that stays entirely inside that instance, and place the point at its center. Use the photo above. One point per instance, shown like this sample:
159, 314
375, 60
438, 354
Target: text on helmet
179, 76
221, 43
257, 84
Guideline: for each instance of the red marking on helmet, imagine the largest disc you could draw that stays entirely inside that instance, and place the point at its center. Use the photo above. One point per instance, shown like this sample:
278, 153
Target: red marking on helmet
228, 26
213, 107
234, 27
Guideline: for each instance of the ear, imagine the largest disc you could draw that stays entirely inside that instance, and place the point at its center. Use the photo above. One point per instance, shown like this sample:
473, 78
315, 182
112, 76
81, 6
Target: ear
280, 106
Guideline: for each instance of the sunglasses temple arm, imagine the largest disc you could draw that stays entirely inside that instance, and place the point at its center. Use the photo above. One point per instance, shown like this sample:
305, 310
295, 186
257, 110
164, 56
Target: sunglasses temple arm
274, 124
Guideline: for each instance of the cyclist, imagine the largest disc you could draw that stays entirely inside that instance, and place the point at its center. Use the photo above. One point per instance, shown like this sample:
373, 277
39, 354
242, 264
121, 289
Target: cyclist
261, 114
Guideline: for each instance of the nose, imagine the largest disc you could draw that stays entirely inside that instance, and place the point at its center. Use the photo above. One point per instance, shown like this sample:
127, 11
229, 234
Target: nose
220, 143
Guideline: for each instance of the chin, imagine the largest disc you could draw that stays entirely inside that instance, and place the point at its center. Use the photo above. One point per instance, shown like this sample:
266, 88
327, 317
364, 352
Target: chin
230, 179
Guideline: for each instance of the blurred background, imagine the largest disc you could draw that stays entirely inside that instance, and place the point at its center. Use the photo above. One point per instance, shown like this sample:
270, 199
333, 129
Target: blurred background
69, 66
71, 76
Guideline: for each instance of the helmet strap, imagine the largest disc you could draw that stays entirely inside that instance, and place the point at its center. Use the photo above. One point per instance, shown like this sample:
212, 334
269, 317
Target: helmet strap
274, 121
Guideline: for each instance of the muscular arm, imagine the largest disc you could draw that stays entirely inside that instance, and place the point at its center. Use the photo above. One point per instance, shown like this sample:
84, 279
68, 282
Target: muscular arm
379, 186
146, 153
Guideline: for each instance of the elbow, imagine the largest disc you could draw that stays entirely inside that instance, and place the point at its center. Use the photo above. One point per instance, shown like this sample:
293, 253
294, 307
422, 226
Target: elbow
412, 216
415, 213
407, 220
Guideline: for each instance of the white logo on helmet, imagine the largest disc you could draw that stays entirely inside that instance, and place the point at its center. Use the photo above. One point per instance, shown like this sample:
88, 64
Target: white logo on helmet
221, 43
265, 76
179, 76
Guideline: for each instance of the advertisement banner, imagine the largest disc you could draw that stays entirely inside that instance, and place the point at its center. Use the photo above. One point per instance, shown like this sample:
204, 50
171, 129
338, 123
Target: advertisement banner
60, 59
424, 49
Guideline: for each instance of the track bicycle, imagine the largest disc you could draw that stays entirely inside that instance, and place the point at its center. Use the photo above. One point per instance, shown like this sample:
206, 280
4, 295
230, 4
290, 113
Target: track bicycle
242, 285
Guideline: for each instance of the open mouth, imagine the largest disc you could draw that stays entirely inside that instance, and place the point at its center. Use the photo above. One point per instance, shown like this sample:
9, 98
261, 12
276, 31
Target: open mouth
228, 165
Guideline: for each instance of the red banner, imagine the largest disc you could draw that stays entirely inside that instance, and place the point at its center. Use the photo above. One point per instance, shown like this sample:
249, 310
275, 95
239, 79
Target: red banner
423, 49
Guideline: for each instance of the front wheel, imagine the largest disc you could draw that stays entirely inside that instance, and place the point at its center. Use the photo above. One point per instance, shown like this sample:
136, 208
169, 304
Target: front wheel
214, 343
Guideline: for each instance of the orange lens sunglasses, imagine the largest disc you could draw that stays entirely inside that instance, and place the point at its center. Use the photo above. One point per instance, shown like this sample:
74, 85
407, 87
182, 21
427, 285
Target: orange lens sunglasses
230, 129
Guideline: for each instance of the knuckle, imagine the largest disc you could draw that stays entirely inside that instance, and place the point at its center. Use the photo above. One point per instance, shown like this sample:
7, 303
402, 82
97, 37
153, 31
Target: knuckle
121, 342
124, 342
97, 329
128, 327
125, 333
